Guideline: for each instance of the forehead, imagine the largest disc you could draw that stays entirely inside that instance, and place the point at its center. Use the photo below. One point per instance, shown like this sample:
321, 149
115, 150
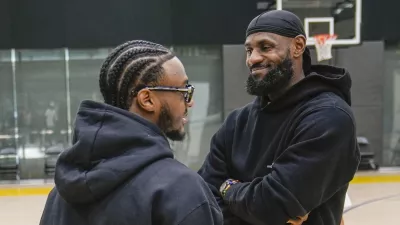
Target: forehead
261, 37
174, 73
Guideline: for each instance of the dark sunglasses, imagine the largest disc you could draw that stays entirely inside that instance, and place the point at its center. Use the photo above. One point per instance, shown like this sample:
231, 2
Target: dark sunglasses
187, 91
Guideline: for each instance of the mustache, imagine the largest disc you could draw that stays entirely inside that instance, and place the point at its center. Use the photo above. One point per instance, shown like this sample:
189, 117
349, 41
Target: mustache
259, 65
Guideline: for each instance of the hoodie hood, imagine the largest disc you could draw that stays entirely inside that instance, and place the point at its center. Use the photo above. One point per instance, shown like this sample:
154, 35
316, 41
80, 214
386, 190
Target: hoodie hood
110, 146
321, 78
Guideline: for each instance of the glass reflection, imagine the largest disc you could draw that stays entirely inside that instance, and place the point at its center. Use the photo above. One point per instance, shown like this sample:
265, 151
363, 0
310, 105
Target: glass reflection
9, 160
84, 67
40, 91
391, 112
41, 109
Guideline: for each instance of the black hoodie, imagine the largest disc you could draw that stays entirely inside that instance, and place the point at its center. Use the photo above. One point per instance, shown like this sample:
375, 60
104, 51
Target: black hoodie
121, 171
292, 156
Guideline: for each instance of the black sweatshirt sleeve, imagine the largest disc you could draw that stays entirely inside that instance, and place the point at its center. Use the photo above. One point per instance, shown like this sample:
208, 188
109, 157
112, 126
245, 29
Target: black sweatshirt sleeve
322, 157
204, 214
214, 170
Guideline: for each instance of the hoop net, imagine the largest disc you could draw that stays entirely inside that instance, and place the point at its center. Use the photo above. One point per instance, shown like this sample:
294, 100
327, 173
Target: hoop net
323, 45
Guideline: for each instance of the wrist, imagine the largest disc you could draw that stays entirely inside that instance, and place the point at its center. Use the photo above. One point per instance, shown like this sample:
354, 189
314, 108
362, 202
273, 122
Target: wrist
226, 186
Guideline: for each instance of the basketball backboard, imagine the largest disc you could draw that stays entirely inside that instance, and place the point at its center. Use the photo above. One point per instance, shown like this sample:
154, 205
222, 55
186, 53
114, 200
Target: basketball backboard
340, 17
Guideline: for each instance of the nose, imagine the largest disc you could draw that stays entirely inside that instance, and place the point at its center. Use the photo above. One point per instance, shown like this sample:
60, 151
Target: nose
190, 104
254, 58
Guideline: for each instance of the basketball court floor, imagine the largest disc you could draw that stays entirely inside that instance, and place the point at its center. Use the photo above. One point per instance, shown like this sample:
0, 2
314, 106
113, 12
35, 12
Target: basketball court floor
375, 198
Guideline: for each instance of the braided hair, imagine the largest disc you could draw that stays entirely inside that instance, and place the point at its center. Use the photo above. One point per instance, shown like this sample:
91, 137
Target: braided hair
129, 67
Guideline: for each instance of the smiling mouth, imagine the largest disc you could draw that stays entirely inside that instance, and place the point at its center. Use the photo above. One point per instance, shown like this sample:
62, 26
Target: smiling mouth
258, 69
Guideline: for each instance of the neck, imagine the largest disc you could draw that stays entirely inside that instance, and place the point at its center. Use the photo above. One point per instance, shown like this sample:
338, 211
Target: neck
294, 80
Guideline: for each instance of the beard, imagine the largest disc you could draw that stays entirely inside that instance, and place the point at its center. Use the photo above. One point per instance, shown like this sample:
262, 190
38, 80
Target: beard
166, 124
276, 79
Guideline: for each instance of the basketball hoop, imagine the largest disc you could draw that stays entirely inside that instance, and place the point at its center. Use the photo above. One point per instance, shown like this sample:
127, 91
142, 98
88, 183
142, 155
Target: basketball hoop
323, 45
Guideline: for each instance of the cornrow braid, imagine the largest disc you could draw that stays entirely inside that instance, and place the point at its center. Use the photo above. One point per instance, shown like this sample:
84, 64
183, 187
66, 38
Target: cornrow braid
111, 58
129, 66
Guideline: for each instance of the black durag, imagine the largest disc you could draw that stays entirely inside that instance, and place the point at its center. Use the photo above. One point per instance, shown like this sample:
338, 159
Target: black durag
283, 23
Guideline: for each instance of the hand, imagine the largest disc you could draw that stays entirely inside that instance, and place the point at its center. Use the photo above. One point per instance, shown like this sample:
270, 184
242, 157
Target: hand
298, 221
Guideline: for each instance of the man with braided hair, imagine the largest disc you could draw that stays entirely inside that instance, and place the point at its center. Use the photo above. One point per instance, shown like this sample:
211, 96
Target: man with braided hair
120, 169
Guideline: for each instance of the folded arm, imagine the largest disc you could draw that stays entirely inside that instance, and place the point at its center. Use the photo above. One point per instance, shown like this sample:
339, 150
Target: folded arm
322, 157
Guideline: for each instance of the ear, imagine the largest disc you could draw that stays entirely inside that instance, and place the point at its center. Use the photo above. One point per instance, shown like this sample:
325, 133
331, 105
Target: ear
299, 45
146, 100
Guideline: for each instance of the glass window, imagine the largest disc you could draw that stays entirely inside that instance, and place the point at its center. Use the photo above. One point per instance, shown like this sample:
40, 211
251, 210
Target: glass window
84, 71
35, 97
7, 124
42, 109
8, 151
203, 65
391, 112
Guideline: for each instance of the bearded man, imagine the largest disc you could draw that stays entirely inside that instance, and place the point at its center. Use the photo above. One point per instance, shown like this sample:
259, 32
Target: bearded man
288, 156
